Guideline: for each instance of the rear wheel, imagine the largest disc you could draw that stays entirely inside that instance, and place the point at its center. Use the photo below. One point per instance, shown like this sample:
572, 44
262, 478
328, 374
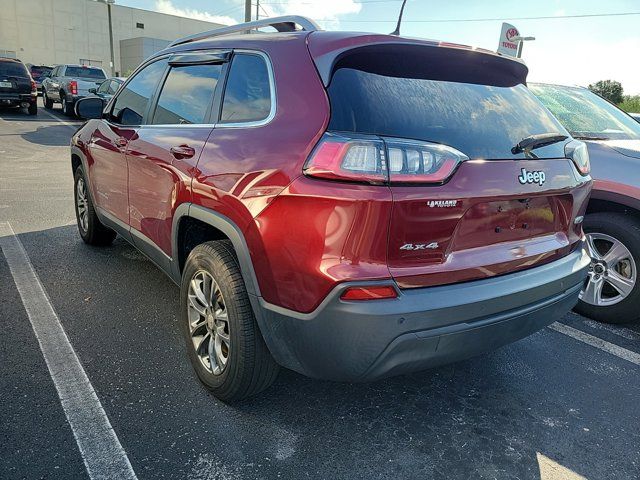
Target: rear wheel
612, 291
48, 104
33, 109
91, 230
224, 343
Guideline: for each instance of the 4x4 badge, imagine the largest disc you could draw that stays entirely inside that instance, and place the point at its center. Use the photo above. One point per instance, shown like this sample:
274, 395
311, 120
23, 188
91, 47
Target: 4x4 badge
531, 177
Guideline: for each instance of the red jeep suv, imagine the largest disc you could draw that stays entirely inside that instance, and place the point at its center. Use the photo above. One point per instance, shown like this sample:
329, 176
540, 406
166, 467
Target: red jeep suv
350, 206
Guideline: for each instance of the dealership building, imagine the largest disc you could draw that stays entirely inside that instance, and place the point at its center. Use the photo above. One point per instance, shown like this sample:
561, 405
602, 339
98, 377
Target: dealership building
89, 32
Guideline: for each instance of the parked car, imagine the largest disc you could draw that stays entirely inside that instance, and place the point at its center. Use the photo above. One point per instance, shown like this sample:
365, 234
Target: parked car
636, 116
612, 223
327, 208
17, 88
108, 88
39, 73
68, 83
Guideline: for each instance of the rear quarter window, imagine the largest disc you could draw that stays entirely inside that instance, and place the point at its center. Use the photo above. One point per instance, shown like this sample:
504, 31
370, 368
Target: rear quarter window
247, 96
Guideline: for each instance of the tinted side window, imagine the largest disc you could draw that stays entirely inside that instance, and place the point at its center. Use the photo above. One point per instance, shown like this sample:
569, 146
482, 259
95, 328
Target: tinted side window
247, 96
113, 87
133, 99
187, 94
104, 87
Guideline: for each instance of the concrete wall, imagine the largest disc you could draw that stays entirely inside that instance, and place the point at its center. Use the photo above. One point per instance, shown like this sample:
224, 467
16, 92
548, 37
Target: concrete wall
68, 31
133, 51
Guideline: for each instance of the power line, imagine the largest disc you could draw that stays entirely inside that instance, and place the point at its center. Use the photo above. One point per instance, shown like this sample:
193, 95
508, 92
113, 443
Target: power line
458, 20
360, 2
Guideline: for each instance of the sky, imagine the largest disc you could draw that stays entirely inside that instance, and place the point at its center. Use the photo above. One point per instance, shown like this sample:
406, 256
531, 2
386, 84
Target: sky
570, 51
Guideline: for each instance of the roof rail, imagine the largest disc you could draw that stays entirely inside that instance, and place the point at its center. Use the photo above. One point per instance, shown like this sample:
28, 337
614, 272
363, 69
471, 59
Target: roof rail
281, 24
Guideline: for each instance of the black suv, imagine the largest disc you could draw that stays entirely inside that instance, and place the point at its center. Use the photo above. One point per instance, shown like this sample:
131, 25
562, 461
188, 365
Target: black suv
17, 88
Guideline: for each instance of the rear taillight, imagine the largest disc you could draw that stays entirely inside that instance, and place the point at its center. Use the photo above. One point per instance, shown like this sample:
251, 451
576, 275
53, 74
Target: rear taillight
578, 152
421, 162
73, 87
33, 87
378, 160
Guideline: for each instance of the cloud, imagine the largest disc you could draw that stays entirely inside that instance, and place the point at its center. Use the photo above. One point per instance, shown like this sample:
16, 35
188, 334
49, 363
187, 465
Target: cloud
328, 11
166, 6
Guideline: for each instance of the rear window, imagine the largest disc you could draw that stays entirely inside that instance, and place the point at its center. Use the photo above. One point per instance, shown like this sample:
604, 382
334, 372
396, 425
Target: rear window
481, 121
13, 69
84, 72
37, 72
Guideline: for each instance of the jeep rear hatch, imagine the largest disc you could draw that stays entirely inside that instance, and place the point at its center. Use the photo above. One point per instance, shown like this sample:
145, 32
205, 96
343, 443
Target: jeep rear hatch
477, 168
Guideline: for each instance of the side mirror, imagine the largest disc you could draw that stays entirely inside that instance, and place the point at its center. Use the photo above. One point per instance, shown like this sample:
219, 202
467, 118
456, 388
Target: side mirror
93, 90
90, 107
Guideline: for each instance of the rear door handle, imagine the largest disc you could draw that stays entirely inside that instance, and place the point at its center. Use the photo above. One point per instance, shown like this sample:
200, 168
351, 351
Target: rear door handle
182, 151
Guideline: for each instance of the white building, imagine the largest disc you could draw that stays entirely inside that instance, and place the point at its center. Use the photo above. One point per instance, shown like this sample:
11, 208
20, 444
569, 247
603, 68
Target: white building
51, 32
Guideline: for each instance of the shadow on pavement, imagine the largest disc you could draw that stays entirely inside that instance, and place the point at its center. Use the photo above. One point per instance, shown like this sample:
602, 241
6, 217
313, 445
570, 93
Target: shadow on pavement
52, 136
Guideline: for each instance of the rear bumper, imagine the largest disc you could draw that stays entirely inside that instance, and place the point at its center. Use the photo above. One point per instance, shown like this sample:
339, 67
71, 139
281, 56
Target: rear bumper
17, 98
424, 327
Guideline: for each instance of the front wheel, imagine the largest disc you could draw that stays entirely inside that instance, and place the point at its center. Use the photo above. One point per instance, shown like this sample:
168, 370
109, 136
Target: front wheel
612, 292
91, 229
223, 340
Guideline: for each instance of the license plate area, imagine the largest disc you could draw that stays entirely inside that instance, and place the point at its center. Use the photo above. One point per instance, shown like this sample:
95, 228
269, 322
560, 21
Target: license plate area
509, 220
6, 85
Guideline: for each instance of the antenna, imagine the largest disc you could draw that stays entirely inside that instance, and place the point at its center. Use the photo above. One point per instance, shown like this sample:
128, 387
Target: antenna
396, 32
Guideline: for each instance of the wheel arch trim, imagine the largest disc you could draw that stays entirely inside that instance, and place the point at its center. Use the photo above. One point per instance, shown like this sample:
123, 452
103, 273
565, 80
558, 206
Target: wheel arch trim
226, 226
607, 191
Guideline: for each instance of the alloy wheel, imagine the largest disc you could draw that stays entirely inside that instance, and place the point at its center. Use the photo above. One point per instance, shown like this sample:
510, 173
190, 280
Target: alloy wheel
208, 322
82, 204
612, 273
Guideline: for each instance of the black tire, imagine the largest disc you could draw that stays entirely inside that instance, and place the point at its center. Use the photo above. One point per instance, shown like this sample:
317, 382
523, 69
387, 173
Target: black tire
67, 107
626, 229
48, 104
33, 109
249, 367
95, 232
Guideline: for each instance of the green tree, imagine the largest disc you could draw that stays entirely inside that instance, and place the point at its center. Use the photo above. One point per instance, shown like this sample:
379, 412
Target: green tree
631, 104
609, 89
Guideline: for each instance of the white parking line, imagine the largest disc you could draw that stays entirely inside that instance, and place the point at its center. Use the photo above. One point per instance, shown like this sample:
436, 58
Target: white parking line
99, 446
616, 330
596, 342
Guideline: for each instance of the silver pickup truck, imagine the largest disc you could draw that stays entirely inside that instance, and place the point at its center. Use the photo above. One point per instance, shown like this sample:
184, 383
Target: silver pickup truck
68, 83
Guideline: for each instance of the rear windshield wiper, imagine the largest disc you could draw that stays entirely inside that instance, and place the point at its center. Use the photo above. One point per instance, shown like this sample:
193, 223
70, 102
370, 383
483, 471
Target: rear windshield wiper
536, 141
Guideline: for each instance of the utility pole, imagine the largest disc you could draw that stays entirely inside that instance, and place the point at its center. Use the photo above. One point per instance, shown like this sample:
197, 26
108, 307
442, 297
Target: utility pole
257, 9
247, 10
113, 60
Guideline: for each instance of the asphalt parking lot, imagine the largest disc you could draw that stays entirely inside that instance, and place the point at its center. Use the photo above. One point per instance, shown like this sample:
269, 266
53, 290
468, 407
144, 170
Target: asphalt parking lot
561, 404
